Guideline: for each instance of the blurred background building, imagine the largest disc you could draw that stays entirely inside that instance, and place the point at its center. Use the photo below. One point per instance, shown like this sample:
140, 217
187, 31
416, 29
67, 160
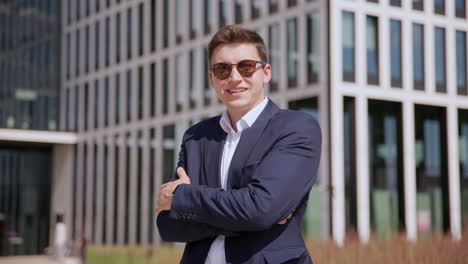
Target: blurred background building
95, 96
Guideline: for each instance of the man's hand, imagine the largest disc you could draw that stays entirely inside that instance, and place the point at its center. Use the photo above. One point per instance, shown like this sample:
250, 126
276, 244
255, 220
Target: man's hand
284, 221
166, 191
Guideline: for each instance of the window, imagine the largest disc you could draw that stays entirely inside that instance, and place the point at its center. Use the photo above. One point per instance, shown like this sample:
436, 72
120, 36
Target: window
86, 50
117, 163
440, 68
349, 63
165, 86
97, 45
77, 108
461, 63
206, 82
117, 111
68, 112
165, 23
275, 55
255, 6
107, 54
168, 152
96, 103
141, 28
273, 6
194, 19
129, 95
460, 8
86, 102
106, 102
292, 52
152, 187
153, 11
179, 83
463, 146
372, 50
292, 3
238, 5
141, 89
78, 10
313, 36
117, 38
129, 34
395, 53
139, 194
128, 157
222, 13
152, 89
439, 7
88, 7
193, 79
418, 5
77, 56
207, 16
418, 56
69, 11
180, 21
395, 3
68, 56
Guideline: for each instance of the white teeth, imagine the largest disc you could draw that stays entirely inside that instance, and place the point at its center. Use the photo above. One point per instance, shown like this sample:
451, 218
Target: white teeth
236, 90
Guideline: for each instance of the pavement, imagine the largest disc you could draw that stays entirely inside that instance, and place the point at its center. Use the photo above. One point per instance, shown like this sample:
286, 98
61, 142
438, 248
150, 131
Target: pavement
39, 259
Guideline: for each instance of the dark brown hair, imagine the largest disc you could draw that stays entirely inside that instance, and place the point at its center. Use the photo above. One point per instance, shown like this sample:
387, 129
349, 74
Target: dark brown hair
237, 34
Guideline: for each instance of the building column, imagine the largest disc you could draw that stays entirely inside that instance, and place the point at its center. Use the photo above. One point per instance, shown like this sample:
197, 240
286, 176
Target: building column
362, 168
409, 169
453, 172
337, 168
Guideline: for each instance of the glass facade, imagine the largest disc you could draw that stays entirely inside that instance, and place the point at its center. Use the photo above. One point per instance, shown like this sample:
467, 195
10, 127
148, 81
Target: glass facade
385, 168
33, 51
440, 62
348, 50
418, 56
463, 147
460, 8
431, 169
25, 182
372, 50
312, 221
274, 56
349, 147
396, 53
461, 62
313, 47
292, 56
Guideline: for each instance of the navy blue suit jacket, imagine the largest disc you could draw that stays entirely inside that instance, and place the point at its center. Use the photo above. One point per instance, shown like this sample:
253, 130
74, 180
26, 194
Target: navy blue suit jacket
271, 173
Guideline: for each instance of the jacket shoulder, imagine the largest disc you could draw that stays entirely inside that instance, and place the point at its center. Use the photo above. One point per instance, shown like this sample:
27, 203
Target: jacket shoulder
203, 128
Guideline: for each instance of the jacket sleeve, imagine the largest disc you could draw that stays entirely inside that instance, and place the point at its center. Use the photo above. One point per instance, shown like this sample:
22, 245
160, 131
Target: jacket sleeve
284, 176
176, 229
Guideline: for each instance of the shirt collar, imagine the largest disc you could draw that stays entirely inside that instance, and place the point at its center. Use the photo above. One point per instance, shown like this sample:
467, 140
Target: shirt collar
246, 121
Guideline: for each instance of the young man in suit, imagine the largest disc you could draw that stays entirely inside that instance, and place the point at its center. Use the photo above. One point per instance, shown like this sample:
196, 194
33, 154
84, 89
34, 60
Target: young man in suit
249, 171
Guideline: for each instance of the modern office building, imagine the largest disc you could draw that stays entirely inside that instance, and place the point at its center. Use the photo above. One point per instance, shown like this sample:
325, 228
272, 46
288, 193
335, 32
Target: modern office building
94, 138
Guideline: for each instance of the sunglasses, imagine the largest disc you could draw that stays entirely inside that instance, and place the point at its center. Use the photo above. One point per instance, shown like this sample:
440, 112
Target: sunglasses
245, 67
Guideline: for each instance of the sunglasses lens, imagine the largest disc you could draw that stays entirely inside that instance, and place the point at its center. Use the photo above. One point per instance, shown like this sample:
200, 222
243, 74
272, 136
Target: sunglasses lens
246, 67
222, 70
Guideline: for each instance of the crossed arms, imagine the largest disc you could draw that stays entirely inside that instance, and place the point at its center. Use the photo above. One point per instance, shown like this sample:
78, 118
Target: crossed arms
281, 180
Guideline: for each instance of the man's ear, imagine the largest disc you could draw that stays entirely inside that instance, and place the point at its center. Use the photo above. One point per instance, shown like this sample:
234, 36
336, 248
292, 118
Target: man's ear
267, 73
210, 77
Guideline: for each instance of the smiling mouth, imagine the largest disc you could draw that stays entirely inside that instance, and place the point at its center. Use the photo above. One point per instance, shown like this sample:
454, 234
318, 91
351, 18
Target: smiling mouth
236, 91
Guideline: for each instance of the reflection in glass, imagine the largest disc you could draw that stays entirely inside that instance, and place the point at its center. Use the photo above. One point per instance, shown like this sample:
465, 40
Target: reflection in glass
275, 54
418, 56
396, 53
348, 46
385, 168
312, 219
440, 68
349, 147
313, 36
460, 8
431, 169
461, 62
372, 50
292, 56
463, 146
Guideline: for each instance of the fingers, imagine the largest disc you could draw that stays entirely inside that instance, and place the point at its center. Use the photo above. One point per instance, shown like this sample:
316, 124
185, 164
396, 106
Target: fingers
282, 222
181, 173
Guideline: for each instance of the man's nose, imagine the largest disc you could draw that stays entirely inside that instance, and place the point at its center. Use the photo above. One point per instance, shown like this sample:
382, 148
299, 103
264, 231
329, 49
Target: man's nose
235, 75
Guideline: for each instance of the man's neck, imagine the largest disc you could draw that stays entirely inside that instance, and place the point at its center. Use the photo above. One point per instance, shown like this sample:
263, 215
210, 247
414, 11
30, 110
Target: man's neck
236, 115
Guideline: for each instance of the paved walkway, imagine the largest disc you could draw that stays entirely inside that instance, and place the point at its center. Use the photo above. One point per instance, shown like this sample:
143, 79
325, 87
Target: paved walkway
35, 260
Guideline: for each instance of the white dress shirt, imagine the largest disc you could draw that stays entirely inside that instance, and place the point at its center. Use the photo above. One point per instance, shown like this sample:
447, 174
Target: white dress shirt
217, 255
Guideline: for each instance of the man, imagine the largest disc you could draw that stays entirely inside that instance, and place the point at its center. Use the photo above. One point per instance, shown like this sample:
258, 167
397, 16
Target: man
249, 171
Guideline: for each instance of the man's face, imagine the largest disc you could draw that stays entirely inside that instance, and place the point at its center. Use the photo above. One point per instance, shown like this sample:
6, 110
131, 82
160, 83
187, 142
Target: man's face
240, 94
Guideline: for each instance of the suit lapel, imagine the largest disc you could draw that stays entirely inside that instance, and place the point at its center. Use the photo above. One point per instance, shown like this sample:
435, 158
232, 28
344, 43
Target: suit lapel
213, 150
249, 138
